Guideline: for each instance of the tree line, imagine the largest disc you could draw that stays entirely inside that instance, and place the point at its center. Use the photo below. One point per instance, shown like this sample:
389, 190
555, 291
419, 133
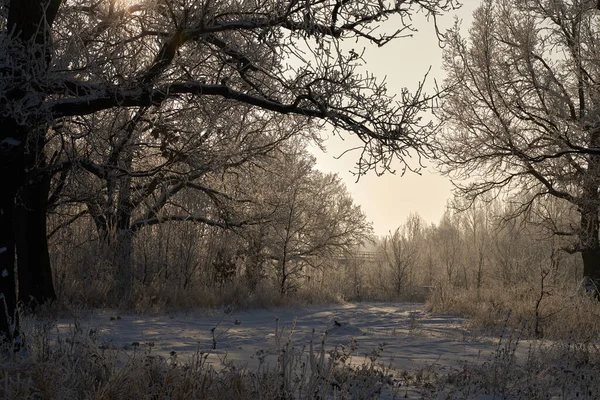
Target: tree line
271, 223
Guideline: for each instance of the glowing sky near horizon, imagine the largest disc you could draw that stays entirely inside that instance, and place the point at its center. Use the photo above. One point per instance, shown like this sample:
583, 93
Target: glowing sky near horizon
388, 200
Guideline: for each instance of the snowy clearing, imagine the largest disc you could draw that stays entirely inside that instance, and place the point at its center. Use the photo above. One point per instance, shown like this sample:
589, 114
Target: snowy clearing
411, 338
372, 350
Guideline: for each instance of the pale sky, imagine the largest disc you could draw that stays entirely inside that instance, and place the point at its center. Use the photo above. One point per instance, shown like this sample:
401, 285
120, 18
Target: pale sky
389, 199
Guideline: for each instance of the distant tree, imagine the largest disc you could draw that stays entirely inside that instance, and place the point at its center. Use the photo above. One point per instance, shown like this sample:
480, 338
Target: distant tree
522, 112
477, 225
401, 251
60, 59
309, 217
448, 239
356, 269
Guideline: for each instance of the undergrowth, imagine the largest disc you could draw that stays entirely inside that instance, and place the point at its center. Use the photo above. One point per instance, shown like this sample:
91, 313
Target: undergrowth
524, 370
561, 313
79, 366
546, 348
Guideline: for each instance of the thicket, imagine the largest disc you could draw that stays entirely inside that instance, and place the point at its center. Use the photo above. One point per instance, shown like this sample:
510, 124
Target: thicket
274, 231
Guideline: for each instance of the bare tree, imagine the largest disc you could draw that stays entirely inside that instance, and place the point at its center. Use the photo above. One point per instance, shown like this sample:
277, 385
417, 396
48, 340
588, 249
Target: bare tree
135, 171
309, 217
522, 112
448, 239
477, 226
401, 251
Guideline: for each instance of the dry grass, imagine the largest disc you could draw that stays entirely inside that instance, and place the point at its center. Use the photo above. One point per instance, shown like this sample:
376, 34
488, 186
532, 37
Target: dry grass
162, 296
549, 370
560, 313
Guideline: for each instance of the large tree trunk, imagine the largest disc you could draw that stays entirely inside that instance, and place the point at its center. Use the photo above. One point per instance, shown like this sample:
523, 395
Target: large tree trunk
33, 262
591, 270
8, 293
29, 22
589, 223
12, 171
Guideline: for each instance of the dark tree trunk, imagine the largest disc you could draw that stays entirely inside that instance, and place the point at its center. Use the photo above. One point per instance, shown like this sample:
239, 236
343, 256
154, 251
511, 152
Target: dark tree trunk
591, 269
589, 223
33, 259
11, 172
116, 244
284, 276
116, 247
255, 259
33, 262
8, 293
29, 22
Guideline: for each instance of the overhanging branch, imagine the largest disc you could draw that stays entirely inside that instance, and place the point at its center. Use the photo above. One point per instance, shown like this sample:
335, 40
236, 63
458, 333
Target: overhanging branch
114, 96
137, 225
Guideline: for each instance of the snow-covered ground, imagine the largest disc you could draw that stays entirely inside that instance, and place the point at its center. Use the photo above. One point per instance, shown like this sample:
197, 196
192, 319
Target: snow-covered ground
410, 337
416, 354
